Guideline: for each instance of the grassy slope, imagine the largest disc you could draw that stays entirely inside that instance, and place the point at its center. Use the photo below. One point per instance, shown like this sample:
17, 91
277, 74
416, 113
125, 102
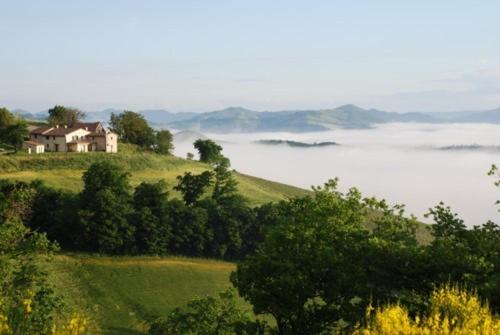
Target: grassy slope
122, 293
64, 171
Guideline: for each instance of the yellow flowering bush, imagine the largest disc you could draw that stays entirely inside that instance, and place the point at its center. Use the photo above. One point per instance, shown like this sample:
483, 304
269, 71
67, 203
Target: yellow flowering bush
452, 312
4, 326
77, 324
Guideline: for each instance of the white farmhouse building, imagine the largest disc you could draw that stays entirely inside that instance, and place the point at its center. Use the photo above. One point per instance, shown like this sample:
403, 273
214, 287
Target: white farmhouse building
83, 137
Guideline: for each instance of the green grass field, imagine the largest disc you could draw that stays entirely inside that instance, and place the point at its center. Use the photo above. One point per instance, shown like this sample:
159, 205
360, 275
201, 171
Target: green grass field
121, 294
64, 171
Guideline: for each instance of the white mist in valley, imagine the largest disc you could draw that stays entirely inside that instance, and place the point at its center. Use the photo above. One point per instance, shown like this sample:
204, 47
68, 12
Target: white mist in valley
418, 165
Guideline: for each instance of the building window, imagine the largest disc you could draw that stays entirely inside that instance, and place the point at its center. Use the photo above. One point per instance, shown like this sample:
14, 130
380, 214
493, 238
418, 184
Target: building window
46, 137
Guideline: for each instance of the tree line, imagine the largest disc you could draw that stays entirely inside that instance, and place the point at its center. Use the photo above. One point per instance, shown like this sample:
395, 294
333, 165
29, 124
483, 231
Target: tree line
211, 218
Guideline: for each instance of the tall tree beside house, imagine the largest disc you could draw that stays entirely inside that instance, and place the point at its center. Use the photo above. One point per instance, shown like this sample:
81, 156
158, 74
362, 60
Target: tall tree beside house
133, 128
13, 130
60, 115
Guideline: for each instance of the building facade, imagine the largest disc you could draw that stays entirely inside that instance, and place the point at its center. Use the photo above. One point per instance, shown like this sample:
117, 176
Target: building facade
83, 137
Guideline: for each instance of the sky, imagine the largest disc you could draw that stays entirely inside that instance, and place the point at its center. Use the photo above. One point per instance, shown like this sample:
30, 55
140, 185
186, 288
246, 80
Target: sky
403, 56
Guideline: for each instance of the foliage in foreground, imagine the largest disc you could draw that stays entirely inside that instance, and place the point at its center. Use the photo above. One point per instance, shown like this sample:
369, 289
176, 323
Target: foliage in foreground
318, 268
452, 311
28, 304
207, 316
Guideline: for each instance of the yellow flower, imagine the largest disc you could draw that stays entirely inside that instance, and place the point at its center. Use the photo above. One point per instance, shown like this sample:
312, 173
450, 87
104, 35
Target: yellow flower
76, 325
27, 305
453, 311
4, 326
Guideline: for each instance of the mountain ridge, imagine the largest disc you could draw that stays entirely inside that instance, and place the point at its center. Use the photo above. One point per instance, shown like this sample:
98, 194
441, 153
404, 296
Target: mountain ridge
237, 119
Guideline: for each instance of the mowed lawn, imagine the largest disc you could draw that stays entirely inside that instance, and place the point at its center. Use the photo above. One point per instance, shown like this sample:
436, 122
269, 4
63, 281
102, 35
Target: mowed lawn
123, 293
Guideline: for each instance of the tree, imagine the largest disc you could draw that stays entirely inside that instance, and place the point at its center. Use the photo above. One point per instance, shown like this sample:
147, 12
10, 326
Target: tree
308, 271
60, 115
225, 184
466, 256
192, 186
151, 218
208, 316
164, 142
105, 175
13, 130
209, 151
133, 128
190, 233
228, 223
54, 212
105, 209
318, 265
6, 118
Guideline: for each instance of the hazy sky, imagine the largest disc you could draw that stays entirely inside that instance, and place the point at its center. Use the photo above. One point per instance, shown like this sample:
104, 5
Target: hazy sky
266, 55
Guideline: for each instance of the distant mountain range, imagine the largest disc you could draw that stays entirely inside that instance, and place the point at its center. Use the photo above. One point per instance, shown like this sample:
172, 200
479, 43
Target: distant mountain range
238, 119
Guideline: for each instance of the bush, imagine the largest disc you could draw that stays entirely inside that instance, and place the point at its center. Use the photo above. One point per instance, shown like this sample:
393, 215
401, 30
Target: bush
207, 316
452, 311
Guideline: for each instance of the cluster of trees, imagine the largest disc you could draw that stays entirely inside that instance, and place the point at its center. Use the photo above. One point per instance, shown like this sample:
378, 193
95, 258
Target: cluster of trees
319, 268
108, 216
133, 128
318, 271
13, 129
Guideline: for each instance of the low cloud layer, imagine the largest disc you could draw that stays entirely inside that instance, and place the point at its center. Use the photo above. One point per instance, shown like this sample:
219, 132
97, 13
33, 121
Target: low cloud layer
404, 163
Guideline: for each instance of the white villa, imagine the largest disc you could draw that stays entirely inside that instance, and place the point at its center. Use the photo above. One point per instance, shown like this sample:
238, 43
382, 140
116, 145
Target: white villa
83, 137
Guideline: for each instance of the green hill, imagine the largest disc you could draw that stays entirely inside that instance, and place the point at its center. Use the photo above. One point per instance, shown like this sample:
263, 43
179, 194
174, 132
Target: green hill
122, 293
64, 171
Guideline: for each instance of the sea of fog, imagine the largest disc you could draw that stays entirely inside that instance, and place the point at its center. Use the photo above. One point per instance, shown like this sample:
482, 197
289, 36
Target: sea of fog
418, 165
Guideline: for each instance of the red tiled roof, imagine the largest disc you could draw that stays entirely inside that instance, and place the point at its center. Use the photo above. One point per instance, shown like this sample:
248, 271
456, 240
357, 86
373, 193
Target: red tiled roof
91, 126
41, 130
61, 131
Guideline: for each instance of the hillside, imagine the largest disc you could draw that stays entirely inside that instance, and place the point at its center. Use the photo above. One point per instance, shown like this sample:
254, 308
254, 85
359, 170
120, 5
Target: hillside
237, 119
64, 171
122, 293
